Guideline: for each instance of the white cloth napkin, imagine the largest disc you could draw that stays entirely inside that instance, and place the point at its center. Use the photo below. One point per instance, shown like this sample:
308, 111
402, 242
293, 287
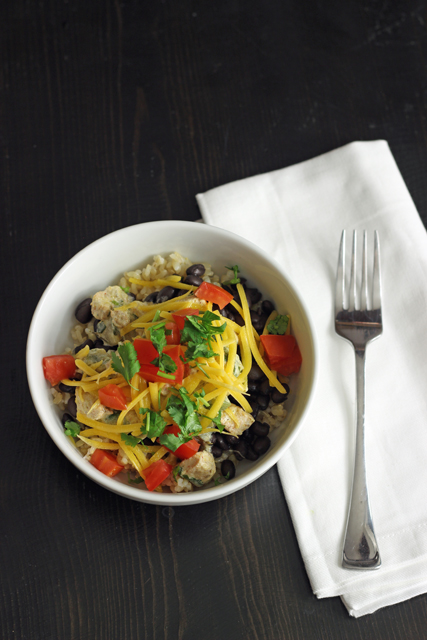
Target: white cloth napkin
297, 214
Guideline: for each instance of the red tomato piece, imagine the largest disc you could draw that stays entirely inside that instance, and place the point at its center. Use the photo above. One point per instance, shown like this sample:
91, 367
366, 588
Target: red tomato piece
175, 336
145, 350
213, 293
57, 368
179, 316
113, 397
106, 462
186, 450
156, 473
282, 353
150, 372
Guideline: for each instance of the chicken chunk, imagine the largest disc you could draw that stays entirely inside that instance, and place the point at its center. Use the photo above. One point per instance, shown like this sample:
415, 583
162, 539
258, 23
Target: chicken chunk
239, 422
86, 406
105, 303
199, 469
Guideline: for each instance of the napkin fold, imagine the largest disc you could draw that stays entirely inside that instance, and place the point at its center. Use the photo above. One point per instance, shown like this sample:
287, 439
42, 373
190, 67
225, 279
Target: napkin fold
297, 214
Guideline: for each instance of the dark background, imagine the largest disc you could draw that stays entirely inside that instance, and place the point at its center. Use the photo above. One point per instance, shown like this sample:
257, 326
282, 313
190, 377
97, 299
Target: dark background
114, 113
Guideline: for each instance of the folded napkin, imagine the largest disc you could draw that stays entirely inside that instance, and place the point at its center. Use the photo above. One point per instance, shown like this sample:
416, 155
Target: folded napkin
297, 215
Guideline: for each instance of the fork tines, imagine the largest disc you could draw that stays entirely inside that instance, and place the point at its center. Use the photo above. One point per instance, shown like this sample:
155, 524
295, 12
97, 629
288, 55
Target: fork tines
351, 301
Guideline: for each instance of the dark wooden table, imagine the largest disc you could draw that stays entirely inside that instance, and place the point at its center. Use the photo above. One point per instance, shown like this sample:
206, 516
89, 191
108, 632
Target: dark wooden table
114, 113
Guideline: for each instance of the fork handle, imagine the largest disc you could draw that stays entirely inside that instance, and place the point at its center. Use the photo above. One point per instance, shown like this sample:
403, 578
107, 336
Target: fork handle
360, 546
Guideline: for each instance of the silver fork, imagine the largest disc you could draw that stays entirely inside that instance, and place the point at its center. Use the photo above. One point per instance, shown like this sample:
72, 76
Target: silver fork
359, 322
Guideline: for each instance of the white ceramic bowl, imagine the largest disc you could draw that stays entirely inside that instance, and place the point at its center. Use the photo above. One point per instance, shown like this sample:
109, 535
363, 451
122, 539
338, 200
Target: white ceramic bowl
101, 264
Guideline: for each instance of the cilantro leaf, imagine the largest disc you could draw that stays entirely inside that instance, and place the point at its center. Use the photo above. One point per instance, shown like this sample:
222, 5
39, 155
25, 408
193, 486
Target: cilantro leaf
125, 289
235, 279
278, 326
158, 338
217, 421
154, 424
183, 412
131, 441
197, 333
128, 363
72, 428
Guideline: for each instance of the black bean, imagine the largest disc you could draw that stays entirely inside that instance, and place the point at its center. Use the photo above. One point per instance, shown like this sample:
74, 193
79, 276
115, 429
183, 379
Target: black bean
263, 401
248, 436
241, 448
228, 469
232, 440
257, 322
88, 343
111, 347
238, 319
178, 292
152, 297
194, 281
221, 443
77, 376
256, 372
251, 454
255, 407
265, 387
267, 306
98, 344
213, 437
254, 294
216, 451
72, 406
95, 324
65, 388
276, 396
83, 311
196, 270
66, 417
261, 445
147, 442
253, 386
165, 294
260, 429
132, 295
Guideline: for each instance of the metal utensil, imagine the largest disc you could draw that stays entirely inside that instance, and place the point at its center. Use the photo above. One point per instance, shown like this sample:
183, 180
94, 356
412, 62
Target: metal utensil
359, 321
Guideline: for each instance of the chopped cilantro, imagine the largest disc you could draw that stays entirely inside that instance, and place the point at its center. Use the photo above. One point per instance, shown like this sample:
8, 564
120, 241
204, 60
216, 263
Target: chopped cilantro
164, 362
128, 365
125, 289
197, 334
200, 399
154, 424
279, 325
72, 428
131, 441
182, 410
235, 279
156, 316
217, 422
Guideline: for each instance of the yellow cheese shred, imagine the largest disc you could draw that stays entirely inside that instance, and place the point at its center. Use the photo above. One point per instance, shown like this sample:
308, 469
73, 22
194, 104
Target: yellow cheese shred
109, 446
252, 343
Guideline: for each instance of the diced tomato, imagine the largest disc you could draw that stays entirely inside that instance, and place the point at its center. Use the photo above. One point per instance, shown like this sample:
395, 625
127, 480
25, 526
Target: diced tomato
213, 293
145, 350
186, 450
106, 462
179, 316
113, 397
56, 368
175, 336
282, 353
156, 473
149, 371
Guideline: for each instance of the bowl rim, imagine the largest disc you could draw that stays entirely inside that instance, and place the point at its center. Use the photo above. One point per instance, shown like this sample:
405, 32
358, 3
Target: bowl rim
133, 493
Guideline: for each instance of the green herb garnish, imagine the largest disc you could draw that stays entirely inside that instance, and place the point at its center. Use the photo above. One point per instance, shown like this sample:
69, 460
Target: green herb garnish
183, 412
131, 441
278, 326
164, 362
235, 279
134, 480
154, 424
125, 289
197, 333
128, 363
72, 428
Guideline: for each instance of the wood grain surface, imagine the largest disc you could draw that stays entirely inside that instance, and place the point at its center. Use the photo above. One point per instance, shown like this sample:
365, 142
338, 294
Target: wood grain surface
113, 113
